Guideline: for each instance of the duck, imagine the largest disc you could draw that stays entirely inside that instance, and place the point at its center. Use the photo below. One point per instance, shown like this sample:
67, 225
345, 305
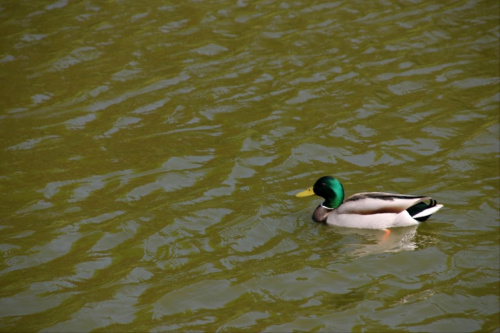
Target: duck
368, 210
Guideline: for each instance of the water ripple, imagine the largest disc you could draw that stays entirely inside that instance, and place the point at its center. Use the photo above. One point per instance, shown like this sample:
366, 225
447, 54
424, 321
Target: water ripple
150, 154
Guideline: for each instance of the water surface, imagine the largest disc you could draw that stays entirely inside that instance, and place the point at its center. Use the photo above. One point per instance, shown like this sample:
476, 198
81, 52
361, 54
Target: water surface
150, 152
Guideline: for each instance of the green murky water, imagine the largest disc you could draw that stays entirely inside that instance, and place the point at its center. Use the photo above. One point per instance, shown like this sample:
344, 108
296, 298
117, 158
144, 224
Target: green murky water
150, 152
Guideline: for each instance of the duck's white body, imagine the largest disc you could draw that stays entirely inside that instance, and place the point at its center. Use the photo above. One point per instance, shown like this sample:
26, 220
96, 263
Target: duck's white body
377, 210
376, 221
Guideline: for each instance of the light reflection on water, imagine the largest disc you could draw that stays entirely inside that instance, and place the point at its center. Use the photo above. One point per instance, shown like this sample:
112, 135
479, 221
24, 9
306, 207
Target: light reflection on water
150, 155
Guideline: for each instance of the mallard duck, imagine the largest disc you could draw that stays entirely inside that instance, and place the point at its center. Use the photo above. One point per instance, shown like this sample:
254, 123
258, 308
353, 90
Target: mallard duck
370, 210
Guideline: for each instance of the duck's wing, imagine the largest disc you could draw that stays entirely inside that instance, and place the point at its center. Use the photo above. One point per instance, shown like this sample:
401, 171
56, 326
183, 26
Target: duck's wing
378, 202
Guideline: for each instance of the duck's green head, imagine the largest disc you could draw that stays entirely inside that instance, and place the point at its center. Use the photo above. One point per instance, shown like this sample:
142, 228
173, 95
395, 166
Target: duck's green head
328, 188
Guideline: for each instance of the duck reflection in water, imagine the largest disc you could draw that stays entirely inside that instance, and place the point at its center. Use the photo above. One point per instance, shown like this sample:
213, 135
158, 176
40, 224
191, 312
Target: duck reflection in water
362, 242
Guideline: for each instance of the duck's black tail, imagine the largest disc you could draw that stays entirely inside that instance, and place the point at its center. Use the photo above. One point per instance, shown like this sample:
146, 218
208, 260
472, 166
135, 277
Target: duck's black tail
422, 211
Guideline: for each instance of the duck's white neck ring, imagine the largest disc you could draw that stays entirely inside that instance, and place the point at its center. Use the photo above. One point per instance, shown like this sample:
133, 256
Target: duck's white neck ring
327, 207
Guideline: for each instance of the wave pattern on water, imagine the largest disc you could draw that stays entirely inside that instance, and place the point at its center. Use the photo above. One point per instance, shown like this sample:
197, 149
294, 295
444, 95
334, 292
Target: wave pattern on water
150, 153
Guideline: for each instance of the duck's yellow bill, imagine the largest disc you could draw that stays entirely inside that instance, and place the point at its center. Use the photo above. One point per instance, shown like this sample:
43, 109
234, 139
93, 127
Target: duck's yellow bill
305, 193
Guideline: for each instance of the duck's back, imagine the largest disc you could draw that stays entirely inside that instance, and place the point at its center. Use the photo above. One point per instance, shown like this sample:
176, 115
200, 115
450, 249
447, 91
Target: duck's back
378, 203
